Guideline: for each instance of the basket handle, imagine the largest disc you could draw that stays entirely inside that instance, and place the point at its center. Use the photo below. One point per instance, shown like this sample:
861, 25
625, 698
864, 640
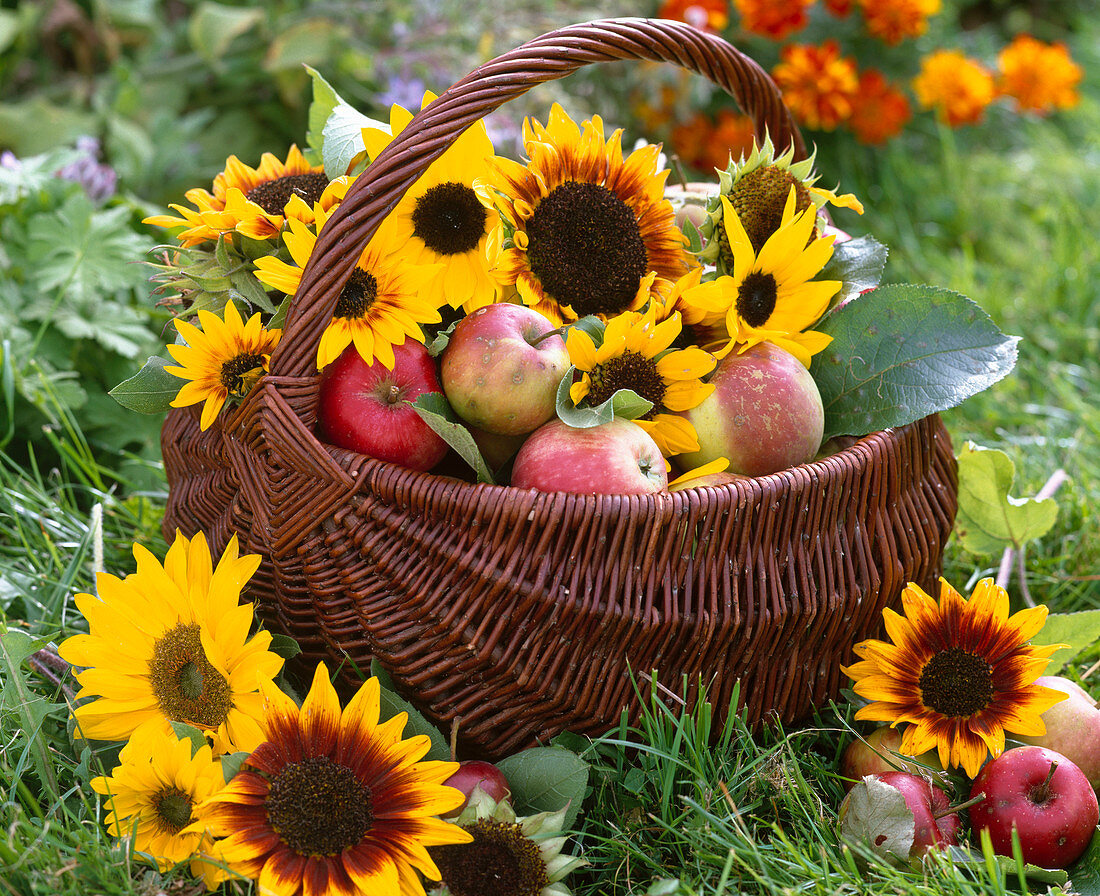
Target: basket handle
432, 131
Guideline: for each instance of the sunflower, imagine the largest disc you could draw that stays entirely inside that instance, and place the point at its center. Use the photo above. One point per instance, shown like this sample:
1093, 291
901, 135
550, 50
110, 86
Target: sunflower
636, 354
385, 300
584, 231
440, 220
170, 644
508, 856
222, 360
154, 794
770, 295
335, 803
960, 673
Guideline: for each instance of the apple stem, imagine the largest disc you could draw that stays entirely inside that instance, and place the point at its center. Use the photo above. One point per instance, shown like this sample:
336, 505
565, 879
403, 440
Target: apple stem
560, 331
950, 810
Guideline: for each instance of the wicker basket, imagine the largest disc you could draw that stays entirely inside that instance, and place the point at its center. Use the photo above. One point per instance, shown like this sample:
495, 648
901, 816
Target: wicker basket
520, 613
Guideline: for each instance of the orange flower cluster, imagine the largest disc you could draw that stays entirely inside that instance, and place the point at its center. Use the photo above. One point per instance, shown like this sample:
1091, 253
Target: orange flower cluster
708, 15
773, 18
839, 8
819, 85
880, 111
893, 21
705, 144
958, 88
1040, 77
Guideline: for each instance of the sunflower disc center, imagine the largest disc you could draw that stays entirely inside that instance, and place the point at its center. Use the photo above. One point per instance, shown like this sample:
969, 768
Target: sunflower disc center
586, 248
449, 219
319, 807
273, 195
358, 295
185, 683
956, 682
239, 373
630, 370
500, 861
759, 198
173, 808
756, 298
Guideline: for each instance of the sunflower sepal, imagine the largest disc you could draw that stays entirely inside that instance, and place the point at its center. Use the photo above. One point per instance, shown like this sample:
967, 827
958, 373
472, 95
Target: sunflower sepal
624, 404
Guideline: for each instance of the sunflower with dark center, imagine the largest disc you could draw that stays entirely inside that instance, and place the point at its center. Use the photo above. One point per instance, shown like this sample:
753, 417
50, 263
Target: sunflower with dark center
154, 794
440, 220
584, 229
335, 802
637, 354
771, 295
220, 359
170, 644
959, 674
384, 301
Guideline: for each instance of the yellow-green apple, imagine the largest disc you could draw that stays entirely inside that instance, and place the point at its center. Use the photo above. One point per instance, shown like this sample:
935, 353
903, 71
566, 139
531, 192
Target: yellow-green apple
496, 448
880, 752
616, 458
765, 413
500, 369
1073, 727
1044, 797
367, 407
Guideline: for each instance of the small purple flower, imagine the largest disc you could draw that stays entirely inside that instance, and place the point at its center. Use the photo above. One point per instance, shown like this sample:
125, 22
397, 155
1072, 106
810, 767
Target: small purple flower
404, 90
99, 181
8, 160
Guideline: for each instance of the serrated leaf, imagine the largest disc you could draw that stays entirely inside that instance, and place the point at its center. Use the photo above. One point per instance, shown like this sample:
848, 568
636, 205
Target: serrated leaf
989, 518
150, 390
858, 265
902, 352
434, 410
393, 703
252, 291
545, 779
214, 26
874, 815
1078, 630
1085, 872
625, 404
342, 139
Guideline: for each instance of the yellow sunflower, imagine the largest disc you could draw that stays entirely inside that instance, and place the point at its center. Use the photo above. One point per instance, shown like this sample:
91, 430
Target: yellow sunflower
154, 794
170, 644
385, 300
584, 231
440, 220
960, 673
771, 296
251, 201
333, 802
222, 360
636, 354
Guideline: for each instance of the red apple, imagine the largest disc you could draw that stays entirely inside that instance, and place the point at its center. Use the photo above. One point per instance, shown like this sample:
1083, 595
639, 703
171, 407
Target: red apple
1073, 727
475, 773
878, 753
500, 373
934, 825
616, 458
366, 407
765, 413
1045, 797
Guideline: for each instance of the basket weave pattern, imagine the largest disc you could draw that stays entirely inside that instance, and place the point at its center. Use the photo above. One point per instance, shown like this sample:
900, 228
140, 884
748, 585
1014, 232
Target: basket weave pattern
520, 613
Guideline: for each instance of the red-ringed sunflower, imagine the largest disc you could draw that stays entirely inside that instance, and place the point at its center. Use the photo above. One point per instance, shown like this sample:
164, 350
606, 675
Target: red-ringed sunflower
440, 220
637, 354
584, 230
222, 360
154, 793
770, 295
335, 802
383, 303
959, 673
171, 644
251, 201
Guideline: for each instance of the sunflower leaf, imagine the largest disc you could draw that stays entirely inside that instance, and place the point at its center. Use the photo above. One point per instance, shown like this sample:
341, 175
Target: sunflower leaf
902, 352
625, 404
1077, 630
592, 327
434, 410
251, 291
546, 779
188, 732
393, 703
150, 390
325, 99
231, 764
858, 265
990, 518
342, 139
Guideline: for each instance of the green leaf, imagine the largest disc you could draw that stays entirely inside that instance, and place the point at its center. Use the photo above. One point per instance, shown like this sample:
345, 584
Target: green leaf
284, 646
150, 390
858, 265
545, 779
189, 732
393, 703
252, 291
1078, 630
29, 708
625, 404
1085, 872
231, 764
989, 518
439, 341
434, 410
342, 139
592, 326
325, 100
213, 27
902, 352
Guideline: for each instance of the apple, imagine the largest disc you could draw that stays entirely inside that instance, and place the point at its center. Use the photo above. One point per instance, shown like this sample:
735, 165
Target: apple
1073, 727
497, 449
878, 753
616, 458
934, 822
765, 413
1044, 797
500, 371
476, 773
366, 407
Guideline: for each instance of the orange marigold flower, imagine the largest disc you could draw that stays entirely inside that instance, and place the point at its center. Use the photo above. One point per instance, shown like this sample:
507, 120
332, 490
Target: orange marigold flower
958, 88
818, 84
880, 111
709, 15
839, 8
1040, 77
705, 145
892, 21
773, 18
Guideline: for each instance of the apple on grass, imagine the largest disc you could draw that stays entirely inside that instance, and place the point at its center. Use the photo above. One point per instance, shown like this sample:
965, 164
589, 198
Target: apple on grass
366, 407
1041, 795
500, 370
616, 458
765, 413
1073, 727
476, 773
879, 753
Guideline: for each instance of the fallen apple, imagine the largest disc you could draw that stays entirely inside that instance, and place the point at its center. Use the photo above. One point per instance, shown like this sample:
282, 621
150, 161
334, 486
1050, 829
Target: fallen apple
476, 773
366, 407
879, 753
616, 458
1073, 727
